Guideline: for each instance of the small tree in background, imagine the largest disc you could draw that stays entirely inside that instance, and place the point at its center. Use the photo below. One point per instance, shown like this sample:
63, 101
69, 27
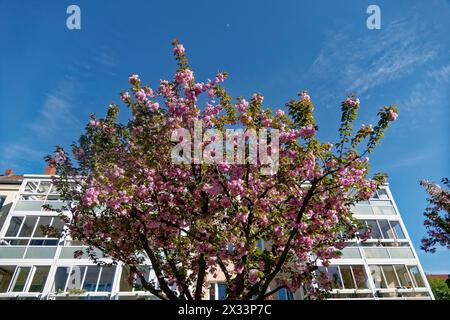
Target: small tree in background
437, 216
130, 200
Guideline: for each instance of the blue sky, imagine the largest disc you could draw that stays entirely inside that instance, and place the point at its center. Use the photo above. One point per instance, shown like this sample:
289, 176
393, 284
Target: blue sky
52, 78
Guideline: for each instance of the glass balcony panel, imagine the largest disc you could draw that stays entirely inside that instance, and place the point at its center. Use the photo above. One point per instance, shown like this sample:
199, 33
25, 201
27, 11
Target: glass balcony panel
43, 252
401, 253
44, 187
29, 205
386, 229
362, 209
376, 253
350, 253
384, 210
12, 252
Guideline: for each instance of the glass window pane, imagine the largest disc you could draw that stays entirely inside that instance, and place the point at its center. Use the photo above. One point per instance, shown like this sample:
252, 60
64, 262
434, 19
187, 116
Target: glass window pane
403, 276
60, 279
416, 275
386, 229
106, 279
377, 276
76, 277
39, 279
334, 277
347, 277
58, 223
21, 279
14, 226
28, 226
390, 276
382, 194
6, 274
138, 285
90, 281
44, 186
360, 277
222, 291
31, 186
398, 229
43, 222
376, 233
124, 284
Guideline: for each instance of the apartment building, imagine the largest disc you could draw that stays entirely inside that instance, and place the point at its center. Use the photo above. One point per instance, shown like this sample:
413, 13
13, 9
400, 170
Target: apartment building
35, 266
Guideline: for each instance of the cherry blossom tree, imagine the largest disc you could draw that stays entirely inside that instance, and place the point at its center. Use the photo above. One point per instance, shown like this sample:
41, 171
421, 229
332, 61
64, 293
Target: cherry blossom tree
203, 219
437, 216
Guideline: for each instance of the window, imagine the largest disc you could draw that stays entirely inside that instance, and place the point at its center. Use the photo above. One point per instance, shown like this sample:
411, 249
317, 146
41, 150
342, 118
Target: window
222, 293
391, 277
106, 279
87, 278
39, 279
385, 229
28, 226
27, 230
376, 233
403, 276
360, 277
285, 294
416, 276
347, 277
377, 276
14, 226
397, 229
21, 277
334, 277
6, 275
2, 201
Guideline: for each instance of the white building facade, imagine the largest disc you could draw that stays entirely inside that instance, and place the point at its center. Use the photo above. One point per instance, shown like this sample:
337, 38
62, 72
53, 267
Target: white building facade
34, 266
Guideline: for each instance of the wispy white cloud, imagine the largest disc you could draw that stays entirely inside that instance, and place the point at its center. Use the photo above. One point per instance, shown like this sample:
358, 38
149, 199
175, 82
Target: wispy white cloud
442, 74
56, 112
371, 60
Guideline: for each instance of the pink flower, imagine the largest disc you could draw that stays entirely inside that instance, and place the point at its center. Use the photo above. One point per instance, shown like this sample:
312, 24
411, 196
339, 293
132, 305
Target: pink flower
280, 113
351, 102
242, 105
134, 79
140, 95
125, 96
392, 116
304, 96
253, 276
178, 49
